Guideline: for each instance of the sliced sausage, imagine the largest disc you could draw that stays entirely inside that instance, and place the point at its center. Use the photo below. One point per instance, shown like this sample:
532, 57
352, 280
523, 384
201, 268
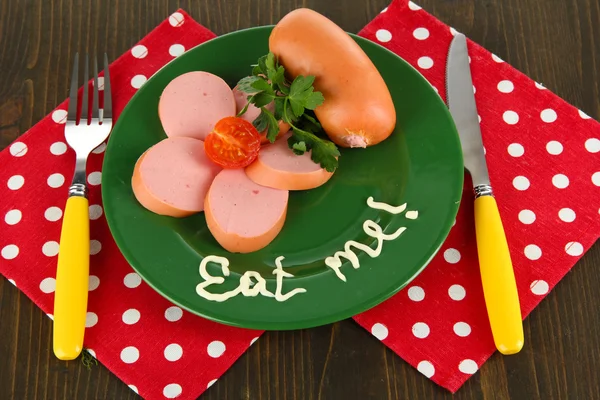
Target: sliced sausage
278, 167
358, 110
241, 215
191, 104
253, 112
173, 176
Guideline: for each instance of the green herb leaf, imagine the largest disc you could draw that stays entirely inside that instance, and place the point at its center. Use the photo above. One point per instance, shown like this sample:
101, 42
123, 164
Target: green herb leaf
297, 107
245, 84
298, 148
273, 125
262, 85
279, 105
277, 76
269, 62
313, 100
262, 99
243, 110
261, 122
300, 85
324, 152
261, 68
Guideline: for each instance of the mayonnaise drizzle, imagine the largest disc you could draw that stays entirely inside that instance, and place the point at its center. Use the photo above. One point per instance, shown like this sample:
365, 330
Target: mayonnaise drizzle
412, 214
385, 207
247, 286
373, 230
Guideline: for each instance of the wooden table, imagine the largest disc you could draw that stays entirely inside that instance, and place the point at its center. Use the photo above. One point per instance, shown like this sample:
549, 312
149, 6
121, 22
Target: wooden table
553, 41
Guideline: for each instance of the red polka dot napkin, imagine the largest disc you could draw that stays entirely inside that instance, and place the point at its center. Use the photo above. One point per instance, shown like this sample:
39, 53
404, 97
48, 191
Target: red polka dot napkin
543, 164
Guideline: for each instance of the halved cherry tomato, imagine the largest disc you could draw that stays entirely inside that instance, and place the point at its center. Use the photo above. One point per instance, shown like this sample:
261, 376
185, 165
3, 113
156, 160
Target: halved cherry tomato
233, 143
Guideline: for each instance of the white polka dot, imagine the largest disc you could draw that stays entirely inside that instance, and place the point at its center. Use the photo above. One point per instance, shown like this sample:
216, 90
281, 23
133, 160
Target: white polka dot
383, 35
539, 287
566, 215
548, 115
506, 86
58, 148
10, 252
497, 59
137, 81
574, 249
380, 331
173, 352
59, 116
132, 280
453, 31
131, 316
100, 149
50, 249
540, 86
533, 252
592, 145
173, 313
462, 329
15, 182
553, 147
176, 50
416, 293
421, 33
18, 149
521, 183
93, 282
425, 62
527, 217
583, 115
479, 118
516, 149
382, 11
468, 367
211, 383
100, 83
139, 51
53, 214
215, 349
420, 330
91, 319
95, 178
95, 247
48, 285
457, 292
560, 181
134, 388
596, 178
176, 19
172, 390
56, 180
13, 282
452, 256
95, 212
510, 117
13, 217
413, 6
426, 368
130, 354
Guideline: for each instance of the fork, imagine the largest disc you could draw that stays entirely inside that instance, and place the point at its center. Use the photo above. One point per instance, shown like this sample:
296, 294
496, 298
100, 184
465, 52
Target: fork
83, 135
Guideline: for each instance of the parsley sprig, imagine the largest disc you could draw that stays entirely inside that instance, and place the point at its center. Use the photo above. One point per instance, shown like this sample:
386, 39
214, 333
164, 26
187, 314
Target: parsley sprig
294, 104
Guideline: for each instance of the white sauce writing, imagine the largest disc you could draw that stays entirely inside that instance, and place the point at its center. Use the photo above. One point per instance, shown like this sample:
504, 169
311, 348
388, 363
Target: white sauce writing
251, 283
412, 214
373, 230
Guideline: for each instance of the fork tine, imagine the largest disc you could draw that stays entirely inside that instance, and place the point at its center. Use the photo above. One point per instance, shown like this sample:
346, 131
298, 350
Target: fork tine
95, 104
85, 112
72, 113
107, 111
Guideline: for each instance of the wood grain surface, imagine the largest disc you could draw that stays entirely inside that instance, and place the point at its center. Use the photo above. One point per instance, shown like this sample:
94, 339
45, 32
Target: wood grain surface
556, 42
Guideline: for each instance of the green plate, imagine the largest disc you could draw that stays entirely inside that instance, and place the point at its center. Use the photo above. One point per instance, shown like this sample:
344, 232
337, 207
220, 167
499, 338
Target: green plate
420, 164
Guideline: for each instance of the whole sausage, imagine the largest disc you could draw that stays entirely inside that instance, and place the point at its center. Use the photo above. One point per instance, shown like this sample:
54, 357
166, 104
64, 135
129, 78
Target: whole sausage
358, 110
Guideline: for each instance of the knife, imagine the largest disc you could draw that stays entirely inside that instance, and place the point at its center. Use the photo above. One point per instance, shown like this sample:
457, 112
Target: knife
497, 275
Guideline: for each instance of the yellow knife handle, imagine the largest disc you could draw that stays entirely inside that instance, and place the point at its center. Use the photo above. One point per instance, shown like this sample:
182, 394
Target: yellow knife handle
72, 277
498, 278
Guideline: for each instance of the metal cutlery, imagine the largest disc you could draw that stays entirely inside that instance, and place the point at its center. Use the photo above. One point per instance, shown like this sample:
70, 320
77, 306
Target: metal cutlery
83, 134
497, 275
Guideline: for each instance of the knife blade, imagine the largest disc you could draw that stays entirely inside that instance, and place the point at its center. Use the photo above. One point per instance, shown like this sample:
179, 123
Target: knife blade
497, 275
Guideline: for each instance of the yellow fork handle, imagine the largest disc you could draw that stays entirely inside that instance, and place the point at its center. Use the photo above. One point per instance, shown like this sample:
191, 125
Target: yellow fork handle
72, 277
497, 276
